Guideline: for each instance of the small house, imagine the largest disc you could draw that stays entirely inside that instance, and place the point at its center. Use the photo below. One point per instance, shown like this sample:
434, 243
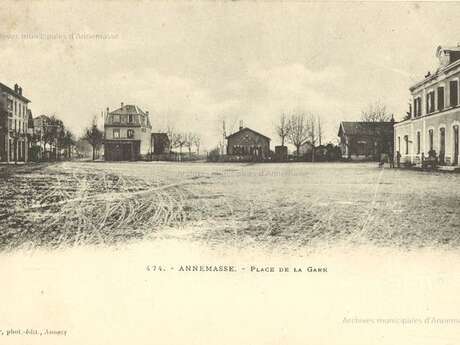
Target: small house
366, 140
248, 144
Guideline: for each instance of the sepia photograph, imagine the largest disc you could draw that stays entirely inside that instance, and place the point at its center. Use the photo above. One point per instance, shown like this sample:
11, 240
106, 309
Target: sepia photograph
229, 172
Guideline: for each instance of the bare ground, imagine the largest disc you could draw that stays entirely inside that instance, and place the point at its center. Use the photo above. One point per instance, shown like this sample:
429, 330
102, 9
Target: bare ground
244, 205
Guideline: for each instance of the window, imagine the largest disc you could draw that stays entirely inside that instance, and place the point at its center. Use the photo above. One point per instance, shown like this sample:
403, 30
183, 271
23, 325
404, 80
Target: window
406, 144
130, 118
116, 133
116, 118
10, 124
440, 98
430, 138
430, 102
453, 93
123, 118
442, 140
418, 143
417, 106
15, 107
130, 133
399, 144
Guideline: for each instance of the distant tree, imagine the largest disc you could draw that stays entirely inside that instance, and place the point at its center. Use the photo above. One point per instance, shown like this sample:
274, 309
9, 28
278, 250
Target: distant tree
171, 135
197, 143
314, 133
282, 128
375, 112
68, 143
94, 137
52, 132
320, 131
188, 142
179, 140
298, 132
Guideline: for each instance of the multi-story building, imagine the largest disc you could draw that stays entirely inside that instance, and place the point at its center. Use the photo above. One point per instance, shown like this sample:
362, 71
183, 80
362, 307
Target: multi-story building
14, 124
127, 133
433, 126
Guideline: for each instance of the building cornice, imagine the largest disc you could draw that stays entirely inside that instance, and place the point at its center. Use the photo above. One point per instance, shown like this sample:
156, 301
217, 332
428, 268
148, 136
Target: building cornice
441, 72
432, 115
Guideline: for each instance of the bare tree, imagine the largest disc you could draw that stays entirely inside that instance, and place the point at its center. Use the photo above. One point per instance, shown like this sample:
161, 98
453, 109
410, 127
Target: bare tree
94, 137
179, 140
282, 128
188, 142
298, 132
375, 112
197, 143
314, 133
320, 131
171, 135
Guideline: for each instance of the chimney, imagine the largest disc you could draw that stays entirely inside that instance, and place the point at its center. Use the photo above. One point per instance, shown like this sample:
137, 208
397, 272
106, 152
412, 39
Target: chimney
122, 104
20, 91
16, 87
107, 110
241, 125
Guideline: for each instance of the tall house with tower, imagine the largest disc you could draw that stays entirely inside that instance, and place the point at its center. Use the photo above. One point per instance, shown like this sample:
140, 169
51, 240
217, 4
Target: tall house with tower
127, 133
433, 126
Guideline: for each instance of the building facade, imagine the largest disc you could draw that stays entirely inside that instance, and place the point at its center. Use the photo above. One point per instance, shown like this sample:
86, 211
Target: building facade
433, 126
248, 143
13, 124
127, 133
160, 143
366, 140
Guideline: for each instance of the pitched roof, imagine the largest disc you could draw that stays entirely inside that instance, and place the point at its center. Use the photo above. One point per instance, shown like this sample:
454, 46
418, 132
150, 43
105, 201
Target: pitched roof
128, 109
161, 136
9, 90
247, 129
365, 128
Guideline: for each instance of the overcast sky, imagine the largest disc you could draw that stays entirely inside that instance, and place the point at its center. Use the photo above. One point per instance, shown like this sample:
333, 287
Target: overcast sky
193, 65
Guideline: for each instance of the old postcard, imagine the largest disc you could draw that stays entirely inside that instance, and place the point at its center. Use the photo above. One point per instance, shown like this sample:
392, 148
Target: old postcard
257, 173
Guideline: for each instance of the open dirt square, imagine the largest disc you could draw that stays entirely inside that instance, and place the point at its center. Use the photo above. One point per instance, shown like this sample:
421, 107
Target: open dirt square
299, 206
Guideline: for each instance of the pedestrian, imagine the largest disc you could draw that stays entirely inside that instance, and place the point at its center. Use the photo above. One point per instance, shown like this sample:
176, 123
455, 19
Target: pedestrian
391, 159
398, 159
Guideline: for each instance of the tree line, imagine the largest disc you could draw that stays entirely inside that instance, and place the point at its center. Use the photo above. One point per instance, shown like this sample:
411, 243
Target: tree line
299, 128
52, 140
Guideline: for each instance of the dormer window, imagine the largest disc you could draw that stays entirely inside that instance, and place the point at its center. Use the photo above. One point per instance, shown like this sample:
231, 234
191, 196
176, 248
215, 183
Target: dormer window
116, 118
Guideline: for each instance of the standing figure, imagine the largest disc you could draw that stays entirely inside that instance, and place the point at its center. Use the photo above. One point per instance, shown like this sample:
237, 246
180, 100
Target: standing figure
398, 159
